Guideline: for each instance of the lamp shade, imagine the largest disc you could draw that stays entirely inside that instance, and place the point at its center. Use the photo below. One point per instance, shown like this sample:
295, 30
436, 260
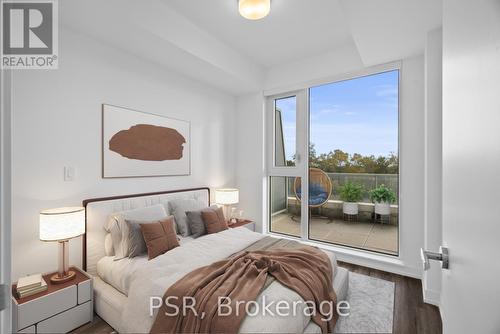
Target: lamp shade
254, 9
227, 196
62, 223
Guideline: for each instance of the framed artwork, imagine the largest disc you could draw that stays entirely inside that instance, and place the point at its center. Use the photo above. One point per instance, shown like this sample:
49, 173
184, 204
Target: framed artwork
139, 144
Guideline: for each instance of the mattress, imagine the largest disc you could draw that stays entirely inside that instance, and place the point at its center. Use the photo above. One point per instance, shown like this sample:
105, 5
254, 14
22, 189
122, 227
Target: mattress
125, 309
119, 273
109, 303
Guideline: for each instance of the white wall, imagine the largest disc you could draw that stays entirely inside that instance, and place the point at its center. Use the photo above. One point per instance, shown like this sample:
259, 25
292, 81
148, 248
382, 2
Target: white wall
57, 123
250, 159
470, 297
433, 159
299, 74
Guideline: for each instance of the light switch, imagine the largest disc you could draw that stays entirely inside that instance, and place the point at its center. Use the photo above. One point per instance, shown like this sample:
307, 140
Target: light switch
69, 173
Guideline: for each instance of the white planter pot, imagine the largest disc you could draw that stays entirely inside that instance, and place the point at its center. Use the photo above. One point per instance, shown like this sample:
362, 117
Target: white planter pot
383, 208
350, 208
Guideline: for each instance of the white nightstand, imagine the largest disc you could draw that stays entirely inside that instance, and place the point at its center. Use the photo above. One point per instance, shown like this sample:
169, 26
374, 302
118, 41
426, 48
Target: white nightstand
245, 223
59, 309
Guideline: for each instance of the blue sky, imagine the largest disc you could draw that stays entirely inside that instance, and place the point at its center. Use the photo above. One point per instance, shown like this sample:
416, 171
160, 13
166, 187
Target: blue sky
357, 116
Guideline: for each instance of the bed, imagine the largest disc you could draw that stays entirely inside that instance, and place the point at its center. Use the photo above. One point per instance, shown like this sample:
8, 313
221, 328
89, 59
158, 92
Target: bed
120, 287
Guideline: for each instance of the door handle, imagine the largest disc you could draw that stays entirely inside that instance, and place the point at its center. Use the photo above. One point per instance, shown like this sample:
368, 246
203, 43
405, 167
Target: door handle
442, 256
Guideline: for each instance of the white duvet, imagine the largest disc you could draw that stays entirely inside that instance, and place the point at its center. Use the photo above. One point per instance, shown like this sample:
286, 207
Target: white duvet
157, 275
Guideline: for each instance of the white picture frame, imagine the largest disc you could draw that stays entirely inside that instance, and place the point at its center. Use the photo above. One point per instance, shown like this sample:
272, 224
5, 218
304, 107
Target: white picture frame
140, 144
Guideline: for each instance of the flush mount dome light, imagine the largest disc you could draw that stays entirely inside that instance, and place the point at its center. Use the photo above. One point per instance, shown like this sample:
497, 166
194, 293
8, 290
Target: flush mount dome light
254, 9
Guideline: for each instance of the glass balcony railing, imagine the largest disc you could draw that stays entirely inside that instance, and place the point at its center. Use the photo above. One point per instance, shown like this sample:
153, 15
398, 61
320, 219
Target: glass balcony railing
368, 181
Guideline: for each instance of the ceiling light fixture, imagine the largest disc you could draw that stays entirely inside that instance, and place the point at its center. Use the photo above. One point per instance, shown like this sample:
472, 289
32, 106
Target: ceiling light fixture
254, 9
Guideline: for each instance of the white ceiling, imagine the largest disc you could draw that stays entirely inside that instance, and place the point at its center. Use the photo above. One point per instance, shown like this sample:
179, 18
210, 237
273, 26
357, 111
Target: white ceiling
209, 41
153, 31
388, 30
295, 29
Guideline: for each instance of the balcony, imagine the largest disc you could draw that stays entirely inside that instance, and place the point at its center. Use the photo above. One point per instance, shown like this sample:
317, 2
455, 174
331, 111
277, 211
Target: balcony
329, 224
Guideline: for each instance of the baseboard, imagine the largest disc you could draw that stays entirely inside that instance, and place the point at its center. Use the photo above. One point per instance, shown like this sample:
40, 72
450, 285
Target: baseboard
366, 258
432, 297
394, 267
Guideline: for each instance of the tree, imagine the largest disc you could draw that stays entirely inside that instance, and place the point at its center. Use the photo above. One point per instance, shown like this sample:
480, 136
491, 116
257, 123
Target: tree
338, 161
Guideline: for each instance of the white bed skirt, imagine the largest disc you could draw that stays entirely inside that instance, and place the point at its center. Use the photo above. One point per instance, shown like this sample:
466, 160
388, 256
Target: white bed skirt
110, 303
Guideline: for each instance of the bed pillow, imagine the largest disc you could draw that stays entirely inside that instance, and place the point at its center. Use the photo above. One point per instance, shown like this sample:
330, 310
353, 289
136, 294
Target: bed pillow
116, 228
178, 208
108, 245
116, 225
195, 222
153, 212
160, 237
214, 220
135, 243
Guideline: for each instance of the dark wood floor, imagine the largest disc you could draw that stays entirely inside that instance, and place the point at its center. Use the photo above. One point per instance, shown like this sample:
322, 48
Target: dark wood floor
411, 314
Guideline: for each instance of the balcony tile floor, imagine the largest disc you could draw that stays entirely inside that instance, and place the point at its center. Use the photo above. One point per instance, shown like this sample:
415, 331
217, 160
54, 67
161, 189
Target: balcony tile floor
370, 236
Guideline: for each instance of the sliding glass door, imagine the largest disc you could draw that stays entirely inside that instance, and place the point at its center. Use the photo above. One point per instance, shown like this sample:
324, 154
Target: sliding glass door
335, 155
287, 161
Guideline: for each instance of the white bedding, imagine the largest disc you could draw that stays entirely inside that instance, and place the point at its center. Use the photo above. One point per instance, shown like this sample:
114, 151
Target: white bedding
119, 273
155, 276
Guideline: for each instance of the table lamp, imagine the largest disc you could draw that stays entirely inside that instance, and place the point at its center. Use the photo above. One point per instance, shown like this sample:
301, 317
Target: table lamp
227, 197
60, 225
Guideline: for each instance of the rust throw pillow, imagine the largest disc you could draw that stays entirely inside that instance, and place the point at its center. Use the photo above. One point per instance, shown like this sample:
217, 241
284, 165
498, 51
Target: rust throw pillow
160, 237
214, 220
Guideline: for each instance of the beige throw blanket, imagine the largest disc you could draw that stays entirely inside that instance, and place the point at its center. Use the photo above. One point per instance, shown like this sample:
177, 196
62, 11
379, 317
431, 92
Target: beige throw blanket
304, 269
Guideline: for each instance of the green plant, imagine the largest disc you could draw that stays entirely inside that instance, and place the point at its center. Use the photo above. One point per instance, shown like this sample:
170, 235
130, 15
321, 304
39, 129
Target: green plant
382, 194
351, 192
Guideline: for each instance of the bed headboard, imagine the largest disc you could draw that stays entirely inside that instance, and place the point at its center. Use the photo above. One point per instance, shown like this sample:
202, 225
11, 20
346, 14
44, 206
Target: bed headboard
98, 210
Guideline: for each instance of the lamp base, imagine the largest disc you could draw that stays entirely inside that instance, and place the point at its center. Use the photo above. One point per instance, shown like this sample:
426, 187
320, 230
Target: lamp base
63, 273
57, 279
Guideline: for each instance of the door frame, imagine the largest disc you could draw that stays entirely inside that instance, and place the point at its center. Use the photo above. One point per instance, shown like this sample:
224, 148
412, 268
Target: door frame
301, 150
271, 170
5, 192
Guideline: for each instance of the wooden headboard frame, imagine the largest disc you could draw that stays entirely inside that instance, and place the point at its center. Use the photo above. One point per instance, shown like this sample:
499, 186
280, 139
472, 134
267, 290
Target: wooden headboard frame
102, 199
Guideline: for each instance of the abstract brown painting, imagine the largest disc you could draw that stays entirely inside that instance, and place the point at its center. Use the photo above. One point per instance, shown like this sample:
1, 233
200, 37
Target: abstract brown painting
140, 144
149, 143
